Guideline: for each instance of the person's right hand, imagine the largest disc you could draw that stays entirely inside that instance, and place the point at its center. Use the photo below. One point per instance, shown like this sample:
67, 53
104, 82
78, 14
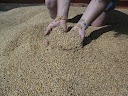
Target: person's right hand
57, 22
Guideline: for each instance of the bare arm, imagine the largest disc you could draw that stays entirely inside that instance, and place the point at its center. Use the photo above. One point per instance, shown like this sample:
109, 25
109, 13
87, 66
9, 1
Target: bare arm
62, 15
94, 9
63, 8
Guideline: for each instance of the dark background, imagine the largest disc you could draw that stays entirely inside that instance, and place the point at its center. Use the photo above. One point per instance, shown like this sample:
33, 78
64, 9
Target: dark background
121, 2
38, 1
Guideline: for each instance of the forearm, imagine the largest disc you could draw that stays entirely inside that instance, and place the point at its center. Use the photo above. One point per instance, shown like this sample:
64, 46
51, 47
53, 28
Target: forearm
94, 9
63, 8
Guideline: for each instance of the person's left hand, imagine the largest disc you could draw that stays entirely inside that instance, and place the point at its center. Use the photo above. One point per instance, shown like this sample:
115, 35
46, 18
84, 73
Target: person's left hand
81, 29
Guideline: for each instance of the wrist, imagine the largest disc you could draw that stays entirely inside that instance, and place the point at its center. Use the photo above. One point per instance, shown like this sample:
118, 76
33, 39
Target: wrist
82, 21
58, 18
82, 24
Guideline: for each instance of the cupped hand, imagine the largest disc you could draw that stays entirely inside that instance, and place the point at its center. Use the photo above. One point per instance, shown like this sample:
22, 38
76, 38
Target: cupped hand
81, 29
57, 22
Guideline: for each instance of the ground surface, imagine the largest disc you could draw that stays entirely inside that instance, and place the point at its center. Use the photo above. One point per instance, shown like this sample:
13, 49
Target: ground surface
31, 65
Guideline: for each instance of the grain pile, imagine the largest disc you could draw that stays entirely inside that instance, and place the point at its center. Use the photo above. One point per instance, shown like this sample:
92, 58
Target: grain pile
31, 65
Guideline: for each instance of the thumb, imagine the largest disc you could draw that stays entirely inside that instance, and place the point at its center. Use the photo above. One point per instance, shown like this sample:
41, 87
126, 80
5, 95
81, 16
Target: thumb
49, 29
82, 34
63, 24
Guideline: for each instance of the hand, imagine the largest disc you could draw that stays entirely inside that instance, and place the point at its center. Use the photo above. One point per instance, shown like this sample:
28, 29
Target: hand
80, 27
57, 22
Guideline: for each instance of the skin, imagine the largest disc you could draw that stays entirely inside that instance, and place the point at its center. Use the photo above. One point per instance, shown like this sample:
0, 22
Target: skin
93, 15
52, 7
62, 10
101, 20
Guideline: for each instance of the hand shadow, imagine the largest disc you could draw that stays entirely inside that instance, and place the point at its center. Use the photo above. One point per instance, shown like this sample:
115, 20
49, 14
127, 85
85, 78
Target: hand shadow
117, 21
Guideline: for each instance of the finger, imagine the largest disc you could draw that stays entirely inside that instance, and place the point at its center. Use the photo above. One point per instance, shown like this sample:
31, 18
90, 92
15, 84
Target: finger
73, 29
82, 36
64, 26
49, 29
81, 33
